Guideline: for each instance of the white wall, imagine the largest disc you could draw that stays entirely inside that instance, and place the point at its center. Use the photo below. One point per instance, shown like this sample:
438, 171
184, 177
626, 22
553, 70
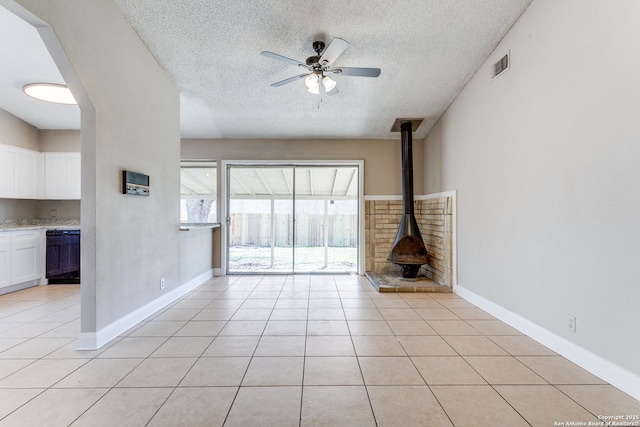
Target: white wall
130, 120
14, 131
18, 209
69, 209
60, 140
196, 253
546, 161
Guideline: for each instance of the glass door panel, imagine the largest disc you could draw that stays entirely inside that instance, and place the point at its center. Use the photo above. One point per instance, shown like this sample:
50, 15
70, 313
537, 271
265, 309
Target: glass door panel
260, 219
326, 219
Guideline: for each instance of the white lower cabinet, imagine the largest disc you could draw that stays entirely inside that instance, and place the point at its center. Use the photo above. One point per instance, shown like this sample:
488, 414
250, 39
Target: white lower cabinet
25, 255
20, 257
5, 259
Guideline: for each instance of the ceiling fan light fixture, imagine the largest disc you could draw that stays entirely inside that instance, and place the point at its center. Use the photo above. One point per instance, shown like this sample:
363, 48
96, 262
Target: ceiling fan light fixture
312, 82
319, 64
50, 92
329, 84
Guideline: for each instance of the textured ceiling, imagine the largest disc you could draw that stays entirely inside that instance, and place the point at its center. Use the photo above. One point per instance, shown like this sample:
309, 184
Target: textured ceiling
427, 50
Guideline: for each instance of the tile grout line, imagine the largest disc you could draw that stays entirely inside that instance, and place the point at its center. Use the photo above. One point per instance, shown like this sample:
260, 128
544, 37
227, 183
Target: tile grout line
470, 366
304, 354
364, 384
233, 401
174, 388
420, 373
247, 297
195, 362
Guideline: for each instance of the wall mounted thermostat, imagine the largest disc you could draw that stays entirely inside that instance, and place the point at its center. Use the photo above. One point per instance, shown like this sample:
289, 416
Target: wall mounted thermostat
136, 184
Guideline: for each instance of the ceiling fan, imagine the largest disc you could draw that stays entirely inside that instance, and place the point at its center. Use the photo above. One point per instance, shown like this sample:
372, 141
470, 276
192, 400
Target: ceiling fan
321, 64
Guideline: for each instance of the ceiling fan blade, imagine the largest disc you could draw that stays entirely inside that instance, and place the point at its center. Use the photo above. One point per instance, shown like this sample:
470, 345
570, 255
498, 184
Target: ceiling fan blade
282, 58
289, 80
331, 53
356, 71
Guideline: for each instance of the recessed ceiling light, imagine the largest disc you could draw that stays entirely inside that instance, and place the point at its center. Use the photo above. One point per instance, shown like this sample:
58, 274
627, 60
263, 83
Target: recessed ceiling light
50, 92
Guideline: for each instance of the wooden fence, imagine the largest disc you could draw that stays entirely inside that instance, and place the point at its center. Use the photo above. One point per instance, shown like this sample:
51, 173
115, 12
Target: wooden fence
254, 229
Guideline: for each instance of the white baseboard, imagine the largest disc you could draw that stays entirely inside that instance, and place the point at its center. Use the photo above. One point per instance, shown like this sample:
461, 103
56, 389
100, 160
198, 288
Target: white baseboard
218, 272
95, 340
615, 375
19, 286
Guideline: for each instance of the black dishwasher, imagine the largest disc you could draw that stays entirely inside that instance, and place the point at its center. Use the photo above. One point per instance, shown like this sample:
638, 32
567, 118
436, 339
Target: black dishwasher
63, 256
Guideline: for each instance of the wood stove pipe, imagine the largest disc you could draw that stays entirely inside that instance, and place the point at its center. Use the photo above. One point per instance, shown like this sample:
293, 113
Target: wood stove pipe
408, 250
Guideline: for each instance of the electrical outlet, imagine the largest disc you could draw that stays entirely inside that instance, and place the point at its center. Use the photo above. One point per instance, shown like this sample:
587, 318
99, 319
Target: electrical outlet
572, 323
162, 283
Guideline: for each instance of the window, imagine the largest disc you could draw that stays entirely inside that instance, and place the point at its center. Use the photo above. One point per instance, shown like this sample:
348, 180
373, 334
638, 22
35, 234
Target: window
198, 192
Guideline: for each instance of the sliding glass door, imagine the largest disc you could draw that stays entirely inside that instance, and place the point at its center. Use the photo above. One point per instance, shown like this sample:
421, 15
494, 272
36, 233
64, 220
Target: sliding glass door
260, 219
292, 218
326, 225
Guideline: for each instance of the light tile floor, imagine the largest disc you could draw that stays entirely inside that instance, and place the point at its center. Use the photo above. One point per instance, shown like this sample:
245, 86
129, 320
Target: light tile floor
289, 351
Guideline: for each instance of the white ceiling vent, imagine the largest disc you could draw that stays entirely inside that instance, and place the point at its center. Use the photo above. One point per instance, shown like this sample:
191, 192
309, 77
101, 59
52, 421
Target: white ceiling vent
502, 65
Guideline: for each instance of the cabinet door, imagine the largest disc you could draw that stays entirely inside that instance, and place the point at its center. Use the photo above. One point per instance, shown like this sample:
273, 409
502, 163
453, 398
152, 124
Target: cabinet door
5, 259
5, 266
74, 175
56, 175
27, 174
24, 256
7, 171
24, 265
40, 169
62, 176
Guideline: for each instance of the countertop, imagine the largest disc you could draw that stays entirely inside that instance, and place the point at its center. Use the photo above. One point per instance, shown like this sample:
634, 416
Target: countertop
16, 225
39, 227
193, 227
66, 226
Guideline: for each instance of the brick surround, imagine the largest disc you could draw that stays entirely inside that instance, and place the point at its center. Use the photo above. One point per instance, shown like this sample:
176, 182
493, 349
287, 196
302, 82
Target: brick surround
435, 219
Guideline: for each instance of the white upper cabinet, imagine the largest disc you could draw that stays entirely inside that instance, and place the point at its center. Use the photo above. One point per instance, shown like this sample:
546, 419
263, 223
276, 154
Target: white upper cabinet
55, 176
28, 174
18, 172
75, 174
62, 176
8, 171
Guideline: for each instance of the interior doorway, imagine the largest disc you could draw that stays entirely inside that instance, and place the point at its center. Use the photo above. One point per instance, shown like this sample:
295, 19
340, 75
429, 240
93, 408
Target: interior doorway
295, 217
